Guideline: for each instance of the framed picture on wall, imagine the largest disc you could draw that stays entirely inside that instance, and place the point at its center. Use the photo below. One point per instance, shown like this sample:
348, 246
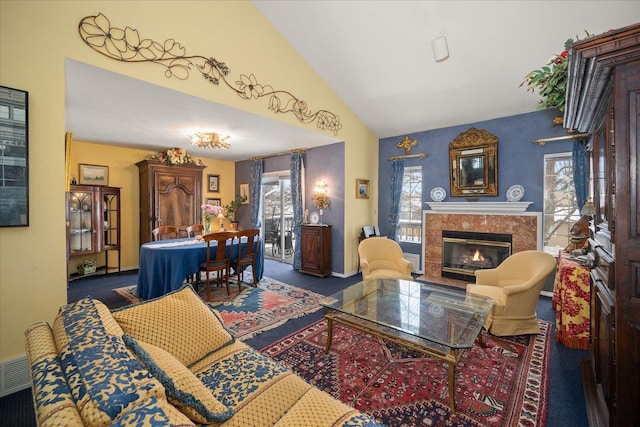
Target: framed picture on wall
362, 188
14, 158
94, 175
244, 194
213, 202
214, 183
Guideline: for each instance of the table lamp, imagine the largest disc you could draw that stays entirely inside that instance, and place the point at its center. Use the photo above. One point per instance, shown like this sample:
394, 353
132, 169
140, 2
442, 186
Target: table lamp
221, 218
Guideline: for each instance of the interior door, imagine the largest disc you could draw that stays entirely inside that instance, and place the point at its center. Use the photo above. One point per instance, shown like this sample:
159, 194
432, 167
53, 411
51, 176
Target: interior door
277, 217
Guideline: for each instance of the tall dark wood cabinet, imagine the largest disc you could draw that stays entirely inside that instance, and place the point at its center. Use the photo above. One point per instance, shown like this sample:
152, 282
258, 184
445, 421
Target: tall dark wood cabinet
93, 221
169, 195
316, 249
603, 98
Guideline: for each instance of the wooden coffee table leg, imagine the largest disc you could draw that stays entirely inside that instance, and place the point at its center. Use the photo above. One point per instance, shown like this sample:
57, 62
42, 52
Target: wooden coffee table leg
329, 333
452, 397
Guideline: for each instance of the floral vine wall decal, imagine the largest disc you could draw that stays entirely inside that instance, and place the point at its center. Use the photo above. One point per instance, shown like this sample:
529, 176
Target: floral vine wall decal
126, 45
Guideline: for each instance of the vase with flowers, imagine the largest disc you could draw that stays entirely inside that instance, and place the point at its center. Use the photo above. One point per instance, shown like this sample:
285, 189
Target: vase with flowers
550, 81
209, 213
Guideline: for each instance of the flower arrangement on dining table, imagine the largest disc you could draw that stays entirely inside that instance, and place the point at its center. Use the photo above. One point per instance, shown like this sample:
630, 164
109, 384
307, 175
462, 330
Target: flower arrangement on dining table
209, 213
174, 156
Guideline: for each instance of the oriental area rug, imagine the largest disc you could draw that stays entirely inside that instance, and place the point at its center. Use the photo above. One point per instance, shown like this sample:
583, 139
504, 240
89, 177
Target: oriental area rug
503, 384
253, 310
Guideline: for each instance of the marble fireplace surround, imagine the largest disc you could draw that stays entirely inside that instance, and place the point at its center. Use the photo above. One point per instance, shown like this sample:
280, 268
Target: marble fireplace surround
483, 217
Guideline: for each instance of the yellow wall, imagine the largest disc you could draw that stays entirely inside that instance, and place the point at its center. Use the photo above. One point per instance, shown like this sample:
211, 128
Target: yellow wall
123, 173
35, 39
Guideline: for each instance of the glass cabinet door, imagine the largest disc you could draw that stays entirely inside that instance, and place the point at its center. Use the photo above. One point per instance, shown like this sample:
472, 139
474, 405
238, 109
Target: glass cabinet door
111, 218
82, 225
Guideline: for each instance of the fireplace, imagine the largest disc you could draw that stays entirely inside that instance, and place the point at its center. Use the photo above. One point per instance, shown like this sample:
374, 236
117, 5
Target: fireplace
465, 252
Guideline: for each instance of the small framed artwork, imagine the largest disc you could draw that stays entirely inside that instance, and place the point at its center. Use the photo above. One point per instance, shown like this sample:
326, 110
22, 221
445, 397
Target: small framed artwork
94, 175
214, 202
244, 194
362, 188
214, 183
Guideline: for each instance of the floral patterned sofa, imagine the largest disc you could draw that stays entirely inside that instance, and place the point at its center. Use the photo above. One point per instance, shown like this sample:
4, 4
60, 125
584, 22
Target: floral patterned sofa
163, 362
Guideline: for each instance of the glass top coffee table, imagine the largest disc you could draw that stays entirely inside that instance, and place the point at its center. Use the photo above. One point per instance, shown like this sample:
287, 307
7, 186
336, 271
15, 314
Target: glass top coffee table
435, 321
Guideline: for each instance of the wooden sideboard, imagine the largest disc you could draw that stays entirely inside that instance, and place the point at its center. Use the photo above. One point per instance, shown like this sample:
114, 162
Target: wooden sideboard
316, 249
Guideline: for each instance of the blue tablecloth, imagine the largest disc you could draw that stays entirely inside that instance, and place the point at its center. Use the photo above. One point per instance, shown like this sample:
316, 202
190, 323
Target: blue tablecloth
165, 264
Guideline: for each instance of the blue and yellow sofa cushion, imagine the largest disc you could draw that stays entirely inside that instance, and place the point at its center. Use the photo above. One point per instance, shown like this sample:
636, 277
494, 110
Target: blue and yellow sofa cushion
168, 361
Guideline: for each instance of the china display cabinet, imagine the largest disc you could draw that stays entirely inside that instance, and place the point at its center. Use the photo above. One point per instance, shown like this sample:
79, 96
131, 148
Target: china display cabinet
93, 221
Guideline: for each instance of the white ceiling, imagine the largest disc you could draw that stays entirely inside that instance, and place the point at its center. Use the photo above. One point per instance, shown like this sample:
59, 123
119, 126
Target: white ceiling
376, 55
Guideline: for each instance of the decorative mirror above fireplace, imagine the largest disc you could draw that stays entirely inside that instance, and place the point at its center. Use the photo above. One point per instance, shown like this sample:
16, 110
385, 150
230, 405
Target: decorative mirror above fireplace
473, 162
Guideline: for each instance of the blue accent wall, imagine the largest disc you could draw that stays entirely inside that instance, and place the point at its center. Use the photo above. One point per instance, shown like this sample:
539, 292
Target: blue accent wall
519, 161
321, 163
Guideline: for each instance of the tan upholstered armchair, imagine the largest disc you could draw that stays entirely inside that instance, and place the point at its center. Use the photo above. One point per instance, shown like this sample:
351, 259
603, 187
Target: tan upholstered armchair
515, 286
382, 257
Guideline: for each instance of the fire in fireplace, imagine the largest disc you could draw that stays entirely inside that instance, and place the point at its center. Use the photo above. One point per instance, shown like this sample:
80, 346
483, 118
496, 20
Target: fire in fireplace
465, 252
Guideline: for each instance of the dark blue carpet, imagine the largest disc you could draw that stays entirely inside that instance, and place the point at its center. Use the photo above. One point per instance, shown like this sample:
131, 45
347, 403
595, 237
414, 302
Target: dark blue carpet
566, 396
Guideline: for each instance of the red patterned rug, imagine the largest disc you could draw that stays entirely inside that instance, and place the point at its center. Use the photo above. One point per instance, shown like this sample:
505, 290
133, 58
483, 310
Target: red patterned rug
503, 384
253, 310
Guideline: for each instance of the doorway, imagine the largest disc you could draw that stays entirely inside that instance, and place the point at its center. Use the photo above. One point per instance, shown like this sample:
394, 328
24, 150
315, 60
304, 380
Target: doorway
277, 217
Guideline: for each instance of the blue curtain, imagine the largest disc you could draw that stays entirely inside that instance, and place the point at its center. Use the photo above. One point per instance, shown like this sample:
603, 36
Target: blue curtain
580, 172
397, 175
257, 167
297, 163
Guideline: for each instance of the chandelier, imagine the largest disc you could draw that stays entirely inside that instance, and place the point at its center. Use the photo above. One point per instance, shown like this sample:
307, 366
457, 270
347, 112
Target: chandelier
209, 140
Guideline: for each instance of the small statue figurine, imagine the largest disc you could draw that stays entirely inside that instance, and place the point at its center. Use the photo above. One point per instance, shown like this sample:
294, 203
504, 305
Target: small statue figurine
579, 235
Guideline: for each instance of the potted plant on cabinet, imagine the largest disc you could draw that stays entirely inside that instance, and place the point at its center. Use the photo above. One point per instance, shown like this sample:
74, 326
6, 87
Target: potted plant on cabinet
231, 209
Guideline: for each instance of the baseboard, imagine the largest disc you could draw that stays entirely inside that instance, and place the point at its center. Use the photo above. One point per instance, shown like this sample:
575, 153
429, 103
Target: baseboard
14, 375
415, 260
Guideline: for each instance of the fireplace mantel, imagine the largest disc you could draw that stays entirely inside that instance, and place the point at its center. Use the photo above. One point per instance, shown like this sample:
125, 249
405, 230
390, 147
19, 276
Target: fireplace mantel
479, 207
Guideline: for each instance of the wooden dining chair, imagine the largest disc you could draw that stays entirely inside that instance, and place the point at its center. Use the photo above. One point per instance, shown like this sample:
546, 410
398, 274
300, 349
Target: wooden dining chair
195, 230
247, 254
165, 232
218, 258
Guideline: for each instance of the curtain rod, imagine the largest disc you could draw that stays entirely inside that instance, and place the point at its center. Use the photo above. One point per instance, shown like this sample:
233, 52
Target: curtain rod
297, 150
408, 156
542, 141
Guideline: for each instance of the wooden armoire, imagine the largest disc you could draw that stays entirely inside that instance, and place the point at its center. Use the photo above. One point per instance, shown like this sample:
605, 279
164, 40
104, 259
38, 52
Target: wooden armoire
169, 195
603, 99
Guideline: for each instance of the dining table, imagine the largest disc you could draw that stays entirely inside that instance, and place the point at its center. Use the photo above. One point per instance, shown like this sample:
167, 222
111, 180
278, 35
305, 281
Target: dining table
165, 264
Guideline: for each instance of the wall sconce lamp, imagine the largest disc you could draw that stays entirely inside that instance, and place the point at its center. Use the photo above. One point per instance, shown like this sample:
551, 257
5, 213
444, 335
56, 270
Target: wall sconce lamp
440, 48
321, 197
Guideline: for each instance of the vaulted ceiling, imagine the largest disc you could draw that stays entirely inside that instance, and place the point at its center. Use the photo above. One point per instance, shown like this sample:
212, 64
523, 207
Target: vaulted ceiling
377, 56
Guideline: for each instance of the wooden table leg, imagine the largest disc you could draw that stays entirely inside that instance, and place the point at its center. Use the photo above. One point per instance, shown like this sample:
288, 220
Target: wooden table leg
329, 333
452, 397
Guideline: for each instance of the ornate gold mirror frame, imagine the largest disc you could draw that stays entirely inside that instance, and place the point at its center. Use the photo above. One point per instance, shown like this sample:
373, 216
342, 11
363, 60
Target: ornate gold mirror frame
473, 162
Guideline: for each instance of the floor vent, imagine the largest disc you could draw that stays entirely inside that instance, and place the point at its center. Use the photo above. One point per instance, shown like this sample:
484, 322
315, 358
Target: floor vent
415, 260
14, 375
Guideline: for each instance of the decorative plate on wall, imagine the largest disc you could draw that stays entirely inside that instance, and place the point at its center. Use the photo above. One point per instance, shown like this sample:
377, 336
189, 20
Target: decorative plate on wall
314, 217
515, 193
438, 194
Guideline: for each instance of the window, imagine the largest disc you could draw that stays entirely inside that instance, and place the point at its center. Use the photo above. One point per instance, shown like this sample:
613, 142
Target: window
560, 205
410, 224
